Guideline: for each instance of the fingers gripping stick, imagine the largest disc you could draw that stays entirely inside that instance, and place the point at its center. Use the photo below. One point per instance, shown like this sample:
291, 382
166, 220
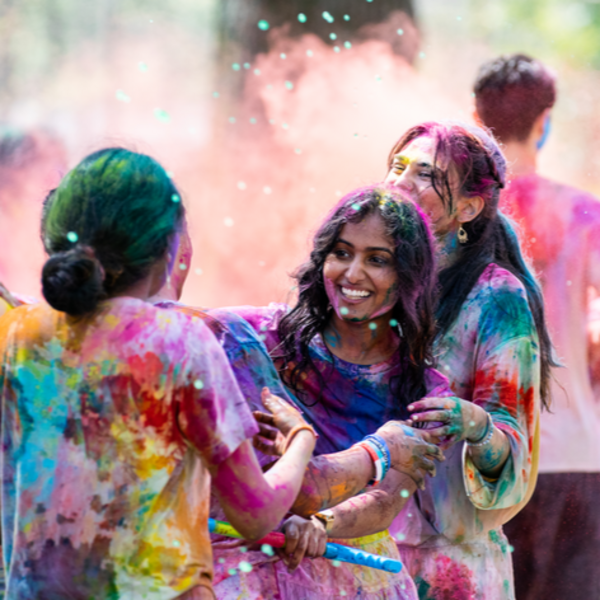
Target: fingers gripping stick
333, 551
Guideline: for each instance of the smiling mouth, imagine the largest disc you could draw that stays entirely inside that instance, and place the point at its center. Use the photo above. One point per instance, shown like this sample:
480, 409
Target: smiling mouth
354, 294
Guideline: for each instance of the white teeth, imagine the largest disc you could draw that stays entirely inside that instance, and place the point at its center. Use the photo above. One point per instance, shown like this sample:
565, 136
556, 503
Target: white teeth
355, 293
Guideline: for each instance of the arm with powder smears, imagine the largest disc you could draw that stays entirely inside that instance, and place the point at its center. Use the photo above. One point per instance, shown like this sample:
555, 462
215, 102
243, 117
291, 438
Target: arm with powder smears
330, 479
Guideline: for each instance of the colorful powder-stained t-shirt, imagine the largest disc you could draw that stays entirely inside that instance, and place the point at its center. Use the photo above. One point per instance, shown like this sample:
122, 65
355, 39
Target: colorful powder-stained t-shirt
450, 533
108, 423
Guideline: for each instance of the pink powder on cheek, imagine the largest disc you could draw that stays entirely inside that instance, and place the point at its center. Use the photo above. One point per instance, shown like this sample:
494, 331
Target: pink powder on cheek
331, 294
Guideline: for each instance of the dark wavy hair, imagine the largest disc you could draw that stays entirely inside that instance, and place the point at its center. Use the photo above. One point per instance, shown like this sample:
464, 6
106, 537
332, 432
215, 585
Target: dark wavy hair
413, 312
473, 156
110, 219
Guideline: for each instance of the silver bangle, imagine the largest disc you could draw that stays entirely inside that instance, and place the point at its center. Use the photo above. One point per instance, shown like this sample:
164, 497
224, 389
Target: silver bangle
487, 436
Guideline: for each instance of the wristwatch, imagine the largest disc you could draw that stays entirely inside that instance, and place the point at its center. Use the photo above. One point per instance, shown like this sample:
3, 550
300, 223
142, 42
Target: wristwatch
326, 517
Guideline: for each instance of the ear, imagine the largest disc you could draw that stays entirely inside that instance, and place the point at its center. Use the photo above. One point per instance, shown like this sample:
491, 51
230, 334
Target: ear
541, 129
468, 209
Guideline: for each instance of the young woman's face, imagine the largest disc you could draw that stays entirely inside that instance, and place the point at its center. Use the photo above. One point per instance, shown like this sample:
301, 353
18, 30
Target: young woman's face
359, 274
412, 172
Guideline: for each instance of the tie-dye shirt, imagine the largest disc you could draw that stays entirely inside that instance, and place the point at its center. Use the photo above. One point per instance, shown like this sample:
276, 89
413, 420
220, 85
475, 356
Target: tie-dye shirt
108, 422
560, 228
449, 535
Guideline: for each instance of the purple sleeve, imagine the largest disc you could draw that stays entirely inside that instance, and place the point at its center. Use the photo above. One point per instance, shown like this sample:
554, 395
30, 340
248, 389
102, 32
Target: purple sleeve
263, 319
437, 386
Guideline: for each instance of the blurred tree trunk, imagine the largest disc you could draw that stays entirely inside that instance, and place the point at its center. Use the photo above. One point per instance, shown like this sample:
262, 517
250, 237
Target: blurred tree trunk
238, 20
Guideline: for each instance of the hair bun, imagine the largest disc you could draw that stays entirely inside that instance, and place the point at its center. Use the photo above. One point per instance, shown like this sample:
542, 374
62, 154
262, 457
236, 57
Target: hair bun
73, 281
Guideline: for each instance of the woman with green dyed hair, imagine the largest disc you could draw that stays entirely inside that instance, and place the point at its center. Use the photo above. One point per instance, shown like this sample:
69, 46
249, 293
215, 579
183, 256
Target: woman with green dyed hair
116, 413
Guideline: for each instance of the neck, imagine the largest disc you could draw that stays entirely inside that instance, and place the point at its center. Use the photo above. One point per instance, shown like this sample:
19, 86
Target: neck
521, 157
360, 342
448, 249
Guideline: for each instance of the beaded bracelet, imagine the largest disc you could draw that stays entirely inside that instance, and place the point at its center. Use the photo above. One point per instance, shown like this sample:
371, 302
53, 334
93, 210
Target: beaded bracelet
487, 436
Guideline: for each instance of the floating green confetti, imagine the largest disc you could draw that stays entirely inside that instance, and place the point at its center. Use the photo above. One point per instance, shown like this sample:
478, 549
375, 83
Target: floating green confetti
285, 126
400, 32
289, 85
400, 537
122, 96
245, 566
302, 18
236, 66
198, 384
347, 45
246, 65
232, 120
346, 17
162, 115
215, 94
298, 151
372, 326
182, 266
268, 550
176, 543
336, 48
263, 25
344, 310
332, 36
283, 56
309, 53
394, 323
243, 549
72, 237
356, 205
257, 71
175, 198
328, 17
405, 493
143, 67
232, 571
378, 78
336, 563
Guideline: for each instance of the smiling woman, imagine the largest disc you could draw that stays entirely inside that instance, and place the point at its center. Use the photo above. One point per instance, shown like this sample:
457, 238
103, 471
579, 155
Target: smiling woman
355, 352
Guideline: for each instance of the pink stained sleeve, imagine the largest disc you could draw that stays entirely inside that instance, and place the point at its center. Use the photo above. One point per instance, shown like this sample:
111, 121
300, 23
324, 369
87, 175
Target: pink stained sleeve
213, 416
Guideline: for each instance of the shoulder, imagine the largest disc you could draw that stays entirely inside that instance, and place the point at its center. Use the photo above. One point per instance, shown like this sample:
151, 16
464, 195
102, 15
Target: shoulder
499, 303
563, 196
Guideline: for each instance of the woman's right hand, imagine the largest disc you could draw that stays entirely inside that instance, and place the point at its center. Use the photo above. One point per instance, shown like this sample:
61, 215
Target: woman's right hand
303, 537
410, 450
276, 425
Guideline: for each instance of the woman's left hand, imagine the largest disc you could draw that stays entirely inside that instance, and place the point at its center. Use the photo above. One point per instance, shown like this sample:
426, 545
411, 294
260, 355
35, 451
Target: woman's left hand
449, 420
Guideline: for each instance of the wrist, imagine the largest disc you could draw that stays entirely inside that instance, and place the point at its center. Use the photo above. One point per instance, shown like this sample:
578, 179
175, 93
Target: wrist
483, 435
303, 433
325, 518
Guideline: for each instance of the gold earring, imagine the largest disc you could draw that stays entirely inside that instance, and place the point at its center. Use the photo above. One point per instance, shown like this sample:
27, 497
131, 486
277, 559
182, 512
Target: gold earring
462, 235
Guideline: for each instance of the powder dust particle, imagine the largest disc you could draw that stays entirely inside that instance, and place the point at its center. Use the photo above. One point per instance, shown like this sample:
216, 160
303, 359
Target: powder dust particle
263, 25
328, 17
72, 237
198, 384
142, 66
121, 96
162, 115
236, 66
245, 567
302, 18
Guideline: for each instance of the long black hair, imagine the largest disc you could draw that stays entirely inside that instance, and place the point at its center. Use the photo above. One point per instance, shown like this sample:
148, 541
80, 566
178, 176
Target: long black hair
413, 312
480, 167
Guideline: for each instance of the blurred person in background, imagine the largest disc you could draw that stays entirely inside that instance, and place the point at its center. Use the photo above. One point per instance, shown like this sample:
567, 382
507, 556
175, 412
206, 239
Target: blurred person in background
556, 537
32, 162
